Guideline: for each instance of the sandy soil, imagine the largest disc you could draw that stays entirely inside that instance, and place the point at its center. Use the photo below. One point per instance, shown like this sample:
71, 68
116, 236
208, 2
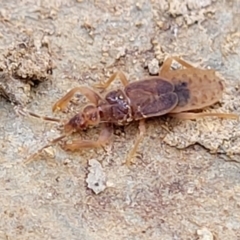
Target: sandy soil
184, 183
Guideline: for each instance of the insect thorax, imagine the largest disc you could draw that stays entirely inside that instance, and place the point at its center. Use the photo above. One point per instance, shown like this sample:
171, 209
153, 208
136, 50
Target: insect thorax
116, 108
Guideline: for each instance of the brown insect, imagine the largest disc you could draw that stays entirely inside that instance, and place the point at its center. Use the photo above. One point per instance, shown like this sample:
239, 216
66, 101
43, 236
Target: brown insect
173, 92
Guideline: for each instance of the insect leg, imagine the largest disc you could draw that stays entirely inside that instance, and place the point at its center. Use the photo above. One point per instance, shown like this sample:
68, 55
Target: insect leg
104, 138
191, 116
122, 77
182, 62
88, 92
142, 130
166, 67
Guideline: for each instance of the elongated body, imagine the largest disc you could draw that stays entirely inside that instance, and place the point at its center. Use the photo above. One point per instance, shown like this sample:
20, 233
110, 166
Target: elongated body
138, 100
173, 92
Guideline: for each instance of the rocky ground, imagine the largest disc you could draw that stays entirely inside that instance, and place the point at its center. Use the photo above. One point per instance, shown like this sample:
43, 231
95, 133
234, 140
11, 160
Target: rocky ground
185, 180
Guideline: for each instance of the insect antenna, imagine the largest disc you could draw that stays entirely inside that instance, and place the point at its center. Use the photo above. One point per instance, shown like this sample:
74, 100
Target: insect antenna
25, 112
49, 144
44, 117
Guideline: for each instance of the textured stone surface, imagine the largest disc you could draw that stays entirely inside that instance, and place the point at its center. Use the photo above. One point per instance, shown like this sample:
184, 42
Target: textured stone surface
172, 191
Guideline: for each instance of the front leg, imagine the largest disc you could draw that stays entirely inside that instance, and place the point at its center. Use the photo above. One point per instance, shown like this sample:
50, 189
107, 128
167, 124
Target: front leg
104, 138
92, 96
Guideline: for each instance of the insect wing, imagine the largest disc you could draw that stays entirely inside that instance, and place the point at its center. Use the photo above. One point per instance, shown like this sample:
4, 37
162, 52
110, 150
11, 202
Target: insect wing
151, 97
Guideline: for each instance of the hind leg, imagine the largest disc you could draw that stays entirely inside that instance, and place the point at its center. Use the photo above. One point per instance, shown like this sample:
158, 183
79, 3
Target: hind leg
142, 130
192, 116
166, 67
